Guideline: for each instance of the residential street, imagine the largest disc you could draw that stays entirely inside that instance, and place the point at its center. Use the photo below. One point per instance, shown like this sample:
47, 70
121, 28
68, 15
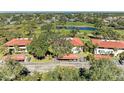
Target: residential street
44, 67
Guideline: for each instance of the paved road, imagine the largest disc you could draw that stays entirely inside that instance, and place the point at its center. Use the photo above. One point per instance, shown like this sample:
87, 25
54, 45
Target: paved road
44, 67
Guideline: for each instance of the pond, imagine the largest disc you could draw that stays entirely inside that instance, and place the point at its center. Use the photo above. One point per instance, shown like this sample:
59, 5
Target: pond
76, 27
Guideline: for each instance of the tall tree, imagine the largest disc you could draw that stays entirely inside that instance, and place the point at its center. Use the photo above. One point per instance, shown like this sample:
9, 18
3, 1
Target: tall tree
39, 46
49, 42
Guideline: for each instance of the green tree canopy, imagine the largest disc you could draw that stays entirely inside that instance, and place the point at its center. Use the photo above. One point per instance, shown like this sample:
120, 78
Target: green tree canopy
12, 71
62, 74
105, 31
89, 46
104, 70
49, 42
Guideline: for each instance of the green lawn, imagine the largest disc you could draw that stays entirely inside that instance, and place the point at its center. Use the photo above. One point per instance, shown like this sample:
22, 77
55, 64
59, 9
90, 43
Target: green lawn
68, 31
79, 24
86, 31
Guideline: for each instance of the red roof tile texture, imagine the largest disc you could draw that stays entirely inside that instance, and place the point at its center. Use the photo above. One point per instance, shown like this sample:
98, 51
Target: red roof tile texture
69, 57
98, 56
77, 42
18, 57
108, 44
18, 42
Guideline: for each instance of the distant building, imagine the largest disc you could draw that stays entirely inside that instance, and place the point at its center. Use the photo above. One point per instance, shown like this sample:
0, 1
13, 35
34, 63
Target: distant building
77, 48
98, 56
15, 57
104, 48
69, 57
77, 45
19, 57
107, 48
18, 44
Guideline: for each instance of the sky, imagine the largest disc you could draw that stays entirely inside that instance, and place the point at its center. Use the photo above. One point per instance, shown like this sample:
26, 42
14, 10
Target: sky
61, 5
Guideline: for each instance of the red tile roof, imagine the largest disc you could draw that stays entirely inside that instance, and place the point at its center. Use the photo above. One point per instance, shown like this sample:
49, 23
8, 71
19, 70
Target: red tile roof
77, 42
98, 56
69, 57
108, 43
18, 42
18, 57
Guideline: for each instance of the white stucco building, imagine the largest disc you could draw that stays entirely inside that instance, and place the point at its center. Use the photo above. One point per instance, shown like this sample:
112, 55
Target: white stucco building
18, 44
108, 47
77, 45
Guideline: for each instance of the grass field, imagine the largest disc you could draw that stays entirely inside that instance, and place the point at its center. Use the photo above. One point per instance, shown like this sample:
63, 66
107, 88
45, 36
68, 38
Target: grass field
79, 24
